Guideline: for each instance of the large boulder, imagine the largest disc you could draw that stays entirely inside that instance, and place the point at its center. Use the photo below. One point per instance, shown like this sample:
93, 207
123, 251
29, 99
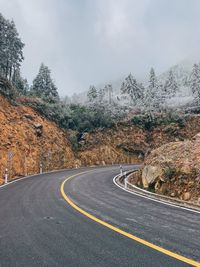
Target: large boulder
174, 169
150, 174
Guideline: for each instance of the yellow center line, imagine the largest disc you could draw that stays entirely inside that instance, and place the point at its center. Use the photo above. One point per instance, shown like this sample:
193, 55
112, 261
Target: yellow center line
122, 232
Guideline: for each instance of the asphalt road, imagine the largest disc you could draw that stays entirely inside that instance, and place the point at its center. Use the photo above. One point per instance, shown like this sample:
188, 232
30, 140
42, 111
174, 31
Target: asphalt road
39, 228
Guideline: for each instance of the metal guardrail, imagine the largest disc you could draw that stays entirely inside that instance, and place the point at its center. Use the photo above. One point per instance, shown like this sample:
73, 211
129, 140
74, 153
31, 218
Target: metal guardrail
122, 181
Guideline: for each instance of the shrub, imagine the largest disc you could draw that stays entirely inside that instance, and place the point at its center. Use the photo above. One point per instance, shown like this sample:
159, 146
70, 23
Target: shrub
145, 122
148, 122
74, 142
169, 172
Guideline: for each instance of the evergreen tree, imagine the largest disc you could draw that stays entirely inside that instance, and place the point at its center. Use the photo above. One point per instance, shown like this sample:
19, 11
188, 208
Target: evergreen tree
152, 96
11, 47
171, 86
92, 94
109, 90
153, 82
43, 85
132, 88
20, 83
195, 80
66, 100
101, 95
162, 93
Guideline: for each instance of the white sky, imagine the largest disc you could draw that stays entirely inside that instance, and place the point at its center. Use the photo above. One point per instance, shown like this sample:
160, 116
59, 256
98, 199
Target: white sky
95, 41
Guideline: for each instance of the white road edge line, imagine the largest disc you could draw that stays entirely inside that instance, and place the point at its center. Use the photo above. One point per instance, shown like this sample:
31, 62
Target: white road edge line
18, 179
33, 175
38, 174
152, 199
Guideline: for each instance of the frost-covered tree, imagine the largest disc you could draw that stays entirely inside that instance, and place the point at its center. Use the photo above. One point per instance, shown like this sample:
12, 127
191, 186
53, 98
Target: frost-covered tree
153, 82
109, 90
101, 95
152, 92
11, 46
75, 98
162, 93
195, 80
92, 94
66, 100
43, 85
132, 88
170, 86
20, 83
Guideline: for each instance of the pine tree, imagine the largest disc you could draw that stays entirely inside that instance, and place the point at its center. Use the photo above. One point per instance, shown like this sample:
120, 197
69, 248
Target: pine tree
43, 85
92, 94
20, 83
161, 97
152, 96
101, 95
75, 99
153, 83
132, 88
11, 47
195, 80
171, 86
109, 90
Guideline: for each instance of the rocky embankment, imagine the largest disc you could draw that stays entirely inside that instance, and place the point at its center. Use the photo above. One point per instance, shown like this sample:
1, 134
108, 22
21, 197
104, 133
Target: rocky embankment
173, 170
131, 143
28, 140
109, 146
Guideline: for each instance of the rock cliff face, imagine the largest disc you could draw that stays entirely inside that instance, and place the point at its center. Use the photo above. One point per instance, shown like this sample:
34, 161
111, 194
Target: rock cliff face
174, 170
110, 146
128, 143
28, 140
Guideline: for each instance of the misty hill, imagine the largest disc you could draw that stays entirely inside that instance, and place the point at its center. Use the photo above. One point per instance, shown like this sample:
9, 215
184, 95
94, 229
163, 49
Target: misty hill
181, 71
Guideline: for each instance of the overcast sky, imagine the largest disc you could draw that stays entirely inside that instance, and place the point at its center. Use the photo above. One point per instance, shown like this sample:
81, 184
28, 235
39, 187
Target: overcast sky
95, 41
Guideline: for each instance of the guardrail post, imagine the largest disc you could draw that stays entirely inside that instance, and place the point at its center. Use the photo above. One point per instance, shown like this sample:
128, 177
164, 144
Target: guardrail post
6, 176
125, 181
40, 168
121, 170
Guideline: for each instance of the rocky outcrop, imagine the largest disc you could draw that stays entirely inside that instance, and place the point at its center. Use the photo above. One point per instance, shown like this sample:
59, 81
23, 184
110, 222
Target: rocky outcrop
128, 143
110, 146
105, 154
174, 170
150, 175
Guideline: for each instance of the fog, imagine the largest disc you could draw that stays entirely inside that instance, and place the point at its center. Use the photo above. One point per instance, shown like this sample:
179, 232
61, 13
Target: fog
97, 41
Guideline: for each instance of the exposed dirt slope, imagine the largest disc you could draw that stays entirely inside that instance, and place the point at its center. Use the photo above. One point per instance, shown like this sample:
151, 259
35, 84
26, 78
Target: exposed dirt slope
130, 143
27, 139
116, 145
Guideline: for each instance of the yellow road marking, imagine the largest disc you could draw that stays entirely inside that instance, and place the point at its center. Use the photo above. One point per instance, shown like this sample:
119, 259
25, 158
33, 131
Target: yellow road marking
122, 232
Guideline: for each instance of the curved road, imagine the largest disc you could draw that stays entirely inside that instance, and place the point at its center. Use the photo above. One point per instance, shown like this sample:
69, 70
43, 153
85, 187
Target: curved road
39, 228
